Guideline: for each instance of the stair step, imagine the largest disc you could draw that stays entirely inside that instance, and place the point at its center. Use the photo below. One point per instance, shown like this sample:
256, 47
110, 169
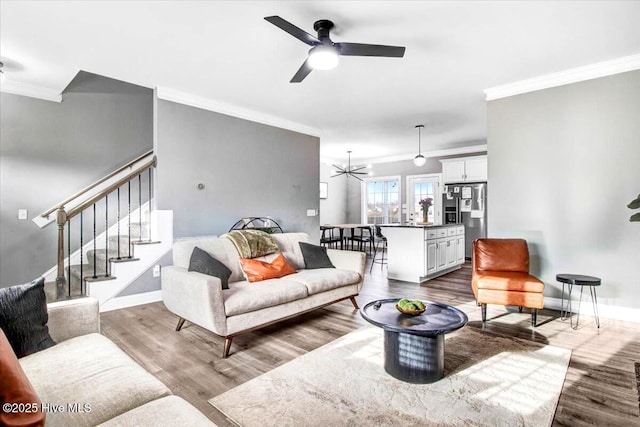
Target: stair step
99, 278
123, 259
145, 242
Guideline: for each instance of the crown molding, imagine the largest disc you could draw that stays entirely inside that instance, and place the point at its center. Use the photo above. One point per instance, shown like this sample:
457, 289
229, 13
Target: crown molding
191, 100
470, 149
573, 75
32, 91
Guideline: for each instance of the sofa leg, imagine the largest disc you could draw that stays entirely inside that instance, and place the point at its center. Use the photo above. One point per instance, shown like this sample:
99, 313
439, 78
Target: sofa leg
180, 323
484, 312
534, 317
519, 309
227, 347
354, 302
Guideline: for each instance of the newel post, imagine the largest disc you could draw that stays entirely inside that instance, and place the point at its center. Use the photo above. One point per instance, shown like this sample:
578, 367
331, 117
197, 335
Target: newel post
61, 219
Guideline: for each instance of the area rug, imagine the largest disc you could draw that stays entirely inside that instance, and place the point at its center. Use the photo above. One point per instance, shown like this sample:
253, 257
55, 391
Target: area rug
489, 381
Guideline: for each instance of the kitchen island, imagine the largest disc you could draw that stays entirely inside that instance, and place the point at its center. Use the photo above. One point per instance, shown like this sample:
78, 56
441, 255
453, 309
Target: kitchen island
417, 253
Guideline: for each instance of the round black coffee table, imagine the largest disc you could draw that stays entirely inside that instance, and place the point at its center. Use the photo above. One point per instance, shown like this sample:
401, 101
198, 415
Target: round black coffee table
414, 345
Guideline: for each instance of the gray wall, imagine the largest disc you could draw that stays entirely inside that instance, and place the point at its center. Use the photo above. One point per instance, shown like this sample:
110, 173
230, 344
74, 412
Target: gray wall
248, 169
50, 150
333, 209
563, 165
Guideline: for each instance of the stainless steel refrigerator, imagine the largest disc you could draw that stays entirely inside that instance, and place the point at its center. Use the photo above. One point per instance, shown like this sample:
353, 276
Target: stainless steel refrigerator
466, 204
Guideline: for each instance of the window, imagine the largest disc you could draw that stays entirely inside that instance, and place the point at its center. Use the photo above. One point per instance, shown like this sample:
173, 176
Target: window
420, 187
381, 200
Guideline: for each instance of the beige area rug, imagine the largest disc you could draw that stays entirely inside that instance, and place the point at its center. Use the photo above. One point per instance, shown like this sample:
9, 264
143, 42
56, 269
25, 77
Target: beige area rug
489, 381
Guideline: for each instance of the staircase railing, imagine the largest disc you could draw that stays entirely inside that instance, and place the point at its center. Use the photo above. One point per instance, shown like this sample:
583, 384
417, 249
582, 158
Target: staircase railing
87, 198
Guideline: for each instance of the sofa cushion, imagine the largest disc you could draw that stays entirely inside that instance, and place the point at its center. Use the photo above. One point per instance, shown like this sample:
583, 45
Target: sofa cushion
245, 297
315, 256
169, 411
204, 263
23, 317
257, 271
507, 281
92, 370
221, 249
16, 389
324, 279
290, 248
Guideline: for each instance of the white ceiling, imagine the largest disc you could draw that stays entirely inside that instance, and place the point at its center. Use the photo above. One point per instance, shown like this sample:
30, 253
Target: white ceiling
226, 52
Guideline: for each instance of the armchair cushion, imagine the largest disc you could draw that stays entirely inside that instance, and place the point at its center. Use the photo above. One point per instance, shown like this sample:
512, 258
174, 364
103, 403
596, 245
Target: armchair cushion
507, 281
501, 255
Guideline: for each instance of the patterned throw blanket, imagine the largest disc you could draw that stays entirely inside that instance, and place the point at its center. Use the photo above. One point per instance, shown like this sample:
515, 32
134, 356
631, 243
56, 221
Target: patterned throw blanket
252, 243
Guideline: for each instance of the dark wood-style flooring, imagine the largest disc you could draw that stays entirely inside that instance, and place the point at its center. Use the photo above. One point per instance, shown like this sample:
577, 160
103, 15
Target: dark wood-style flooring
599, 389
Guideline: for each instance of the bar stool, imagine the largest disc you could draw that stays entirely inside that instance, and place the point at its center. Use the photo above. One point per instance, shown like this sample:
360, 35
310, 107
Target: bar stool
578, 280
380, 240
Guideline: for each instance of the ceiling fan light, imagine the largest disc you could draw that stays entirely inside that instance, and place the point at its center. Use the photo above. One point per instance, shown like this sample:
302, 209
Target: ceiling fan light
419, 160
323, 57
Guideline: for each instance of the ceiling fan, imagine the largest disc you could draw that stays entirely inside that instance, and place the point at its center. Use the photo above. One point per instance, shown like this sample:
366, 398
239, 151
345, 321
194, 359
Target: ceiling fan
324, 53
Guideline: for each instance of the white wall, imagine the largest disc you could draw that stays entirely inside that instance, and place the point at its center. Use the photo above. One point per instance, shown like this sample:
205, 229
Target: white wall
333, 209
563, 164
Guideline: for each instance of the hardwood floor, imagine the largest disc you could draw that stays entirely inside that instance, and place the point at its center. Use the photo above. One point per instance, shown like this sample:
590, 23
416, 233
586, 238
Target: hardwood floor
599, 389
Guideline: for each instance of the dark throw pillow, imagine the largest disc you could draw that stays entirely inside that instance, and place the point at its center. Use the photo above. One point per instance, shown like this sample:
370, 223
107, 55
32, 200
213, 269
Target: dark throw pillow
315, 256
204, 263
23, 317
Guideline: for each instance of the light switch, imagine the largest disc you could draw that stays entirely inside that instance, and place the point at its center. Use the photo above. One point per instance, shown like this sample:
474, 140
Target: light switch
156, 270
23, 214
312, 212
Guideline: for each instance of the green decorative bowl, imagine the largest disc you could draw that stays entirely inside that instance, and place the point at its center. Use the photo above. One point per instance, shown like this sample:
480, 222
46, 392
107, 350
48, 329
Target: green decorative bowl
410, 312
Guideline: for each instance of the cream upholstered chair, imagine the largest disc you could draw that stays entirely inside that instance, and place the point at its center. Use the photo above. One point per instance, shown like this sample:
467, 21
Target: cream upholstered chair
500, 275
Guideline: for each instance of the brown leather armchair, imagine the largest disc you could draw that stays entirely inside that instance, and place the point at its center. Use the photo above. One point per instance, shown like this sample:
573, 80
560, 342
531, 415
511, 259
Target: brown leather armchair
500, 275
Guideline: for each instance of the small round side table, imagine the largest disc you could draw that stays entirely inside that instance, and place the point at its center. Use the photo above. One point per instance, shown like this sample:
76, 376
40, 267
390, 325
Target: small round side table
572, 280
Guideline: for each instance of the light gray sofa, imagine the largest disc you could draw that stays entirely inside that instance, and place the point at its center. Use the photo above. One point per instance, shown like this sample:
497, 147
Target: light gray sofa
86, 380
246, 306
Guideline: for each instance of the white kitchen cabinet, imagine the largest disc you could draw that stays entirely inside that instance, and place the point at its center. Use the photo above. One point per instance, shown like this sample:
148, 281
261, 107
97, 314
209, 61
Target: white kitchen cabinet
460, 249
464, 169
431, 253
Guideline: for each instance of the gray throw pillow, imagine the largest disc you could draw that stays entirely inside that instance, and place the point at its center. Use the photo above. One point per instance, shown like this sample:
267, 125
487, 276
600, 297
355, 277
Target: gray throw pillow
315, 256
23, 317
204, 263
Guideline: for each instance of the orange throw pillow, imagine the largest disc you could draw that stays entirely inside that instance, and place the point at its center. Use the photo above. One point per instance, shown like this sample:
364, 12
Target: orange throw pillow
17, 391
256, 271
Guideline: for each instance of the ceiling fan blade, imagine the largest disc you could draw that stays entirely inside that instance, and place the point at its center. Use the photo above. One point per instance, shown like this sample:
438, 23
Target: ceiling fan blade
359, 49
302, 72
293, 30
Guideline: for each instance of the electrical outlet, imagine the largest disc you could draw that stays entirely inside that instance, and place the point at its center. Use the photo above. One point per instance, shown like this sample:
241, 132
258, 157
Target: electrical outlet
156, 270
23, 214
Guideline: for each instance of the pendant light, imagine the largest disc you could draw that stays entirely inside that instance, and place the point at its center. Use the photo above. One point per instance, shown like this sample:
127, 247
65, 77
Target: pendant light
419, 160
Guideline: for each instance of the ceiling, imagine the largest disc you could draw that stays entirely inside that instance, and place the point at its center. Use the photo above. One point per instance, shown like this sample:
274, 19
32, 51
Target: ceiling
226, 52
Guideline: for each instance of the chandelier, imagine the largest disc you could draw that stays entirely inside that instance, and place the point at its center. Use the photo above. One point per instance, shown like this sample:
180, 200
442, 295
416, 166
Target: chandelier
349, 170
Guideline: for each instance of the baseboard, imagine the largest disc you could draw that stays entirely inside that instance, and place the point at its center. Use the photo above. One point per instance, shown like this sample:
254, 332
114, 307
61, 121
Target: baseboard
606, 311
131, 301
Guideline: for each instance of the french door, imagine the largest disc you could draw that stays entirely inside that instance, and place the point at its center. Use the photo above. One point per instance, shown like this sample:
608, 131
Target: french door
420, 187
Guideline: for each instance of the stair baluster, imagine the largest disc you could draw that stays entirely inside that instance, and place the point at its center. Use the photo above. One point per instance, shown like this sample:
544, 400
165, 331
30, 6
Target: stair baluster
81, 255
118, 222
140, 206
129, 217
106, 235
95, 275
149, 206
69, 257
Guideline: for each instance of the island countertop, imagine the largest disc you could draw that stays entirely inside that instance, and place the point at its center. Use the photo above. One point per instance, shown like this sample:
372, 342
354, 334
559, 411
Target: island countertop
407, 225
